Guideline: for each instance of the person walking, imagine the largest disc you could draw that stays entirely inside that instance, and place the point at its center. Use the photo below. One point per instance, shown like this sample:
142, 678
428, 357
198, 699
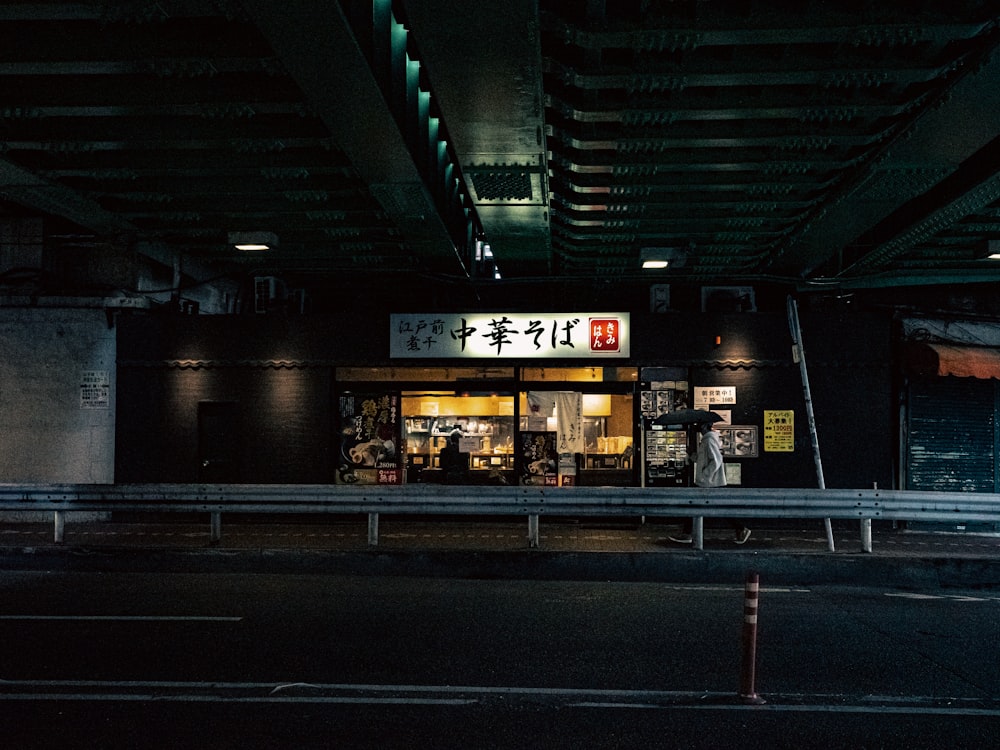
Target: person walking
710, 471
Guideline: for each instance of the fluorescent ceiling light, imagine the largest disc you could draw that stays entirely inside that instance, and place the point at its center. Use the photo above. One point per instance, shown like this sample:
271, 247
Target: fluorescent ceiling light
253, 241
661, 257
990, 250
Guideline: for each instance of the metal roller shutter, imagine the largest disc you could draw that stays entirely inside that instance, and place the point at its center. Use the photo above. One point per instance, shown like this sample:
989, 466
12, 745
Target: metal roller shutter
952, 436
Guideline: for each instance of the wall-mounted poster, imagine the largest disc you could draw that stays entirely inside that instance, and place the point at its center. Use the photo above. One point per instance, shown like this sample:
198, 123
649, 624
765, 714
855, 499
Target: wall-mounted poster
95, 389
738, 440
370, 436
538, 460
663, 396
779, 430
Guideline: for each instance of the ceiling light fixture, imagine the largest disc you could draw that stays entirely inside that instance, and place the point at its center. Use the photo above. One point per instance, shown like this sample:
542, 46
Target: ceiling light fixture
986, 249
661, 257
253, 241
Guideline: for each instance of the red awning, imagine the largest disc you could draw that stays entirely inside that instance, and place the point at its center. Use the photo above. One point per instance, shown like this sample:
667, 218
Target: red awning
923, 358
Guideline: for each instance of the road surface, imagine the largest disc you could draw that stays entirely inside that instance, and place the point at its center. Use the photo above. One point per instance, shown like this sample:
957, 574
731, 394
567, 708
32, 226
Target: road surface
169, 660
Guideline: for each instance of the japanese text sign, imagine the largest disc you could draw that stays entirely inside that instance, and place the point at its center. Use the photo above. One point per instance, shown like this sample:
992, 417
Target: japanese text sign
779, 430
708, 396
95, 389
516, 335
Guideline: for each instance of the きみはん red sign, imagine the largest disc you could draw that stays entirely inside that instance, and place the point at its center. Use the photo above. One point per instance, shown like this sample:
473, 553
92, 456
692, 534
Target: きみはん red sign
604, 334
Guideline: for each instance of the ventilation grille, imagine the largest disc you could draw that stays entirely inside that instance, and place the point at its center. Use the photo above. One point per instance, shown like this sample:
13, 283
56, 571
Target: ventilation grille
502, 186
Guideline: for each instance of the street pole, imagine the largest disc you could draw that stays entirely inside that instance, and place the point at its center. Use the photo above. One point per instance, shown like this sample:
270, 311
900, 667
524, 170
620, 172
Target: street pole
799, 355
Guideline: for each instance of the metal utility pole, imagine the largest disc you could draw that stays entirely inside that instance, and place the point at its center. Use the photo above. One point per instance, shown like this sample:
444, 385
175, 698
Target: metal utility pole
799, 355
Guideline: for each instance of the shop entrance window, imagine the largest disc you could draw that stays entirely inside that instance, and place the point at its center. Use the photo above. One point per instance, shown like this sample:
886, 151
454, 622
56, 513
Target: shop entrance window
484, 426
589, 433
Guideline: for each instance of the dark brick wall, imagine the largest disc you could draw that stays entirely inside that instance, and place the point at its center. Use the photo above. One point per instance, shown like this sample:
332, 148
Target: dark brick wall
282, 423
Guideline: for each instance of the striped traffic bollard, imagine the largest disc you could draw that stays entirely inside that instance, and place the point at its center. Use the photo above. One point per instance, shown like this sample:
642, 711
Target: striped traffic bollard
748, 693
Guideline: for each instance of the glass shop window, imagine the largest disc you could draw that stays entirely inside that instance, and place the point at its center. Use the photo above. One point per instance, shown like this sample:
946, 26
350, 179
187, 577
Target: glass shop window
590, 435
483, 423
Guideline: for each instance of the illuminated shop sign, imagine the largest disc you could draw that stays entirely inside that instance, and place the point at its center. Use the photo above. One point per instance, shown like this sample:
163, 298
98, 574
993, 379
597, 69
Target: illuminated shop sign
518, 335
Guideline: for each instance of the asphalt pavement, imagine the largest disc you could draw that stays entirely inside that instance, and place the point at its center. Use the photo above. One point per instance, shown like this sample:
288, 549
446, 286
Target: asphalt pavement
204, 660
581, 549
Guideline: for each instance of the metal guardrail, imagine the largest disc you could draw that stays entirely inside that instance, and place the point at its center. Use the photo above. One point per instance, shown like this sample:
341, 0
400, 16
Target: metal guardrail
863, 505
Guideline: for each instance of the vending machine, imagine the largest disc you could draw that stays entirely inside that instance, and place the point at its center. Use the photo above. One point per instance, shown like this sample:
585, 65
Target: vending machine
664, 447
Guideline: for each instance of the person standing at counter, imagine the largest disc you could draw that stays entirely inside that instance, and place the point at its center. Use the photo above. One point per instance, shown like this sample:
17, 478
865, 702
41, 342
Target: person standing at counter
454, 463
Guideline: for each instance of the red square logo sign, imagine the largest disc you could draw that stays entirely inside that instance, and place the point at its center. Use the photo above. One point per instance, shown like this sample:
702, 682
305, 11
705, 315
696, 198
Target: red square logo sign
604, 334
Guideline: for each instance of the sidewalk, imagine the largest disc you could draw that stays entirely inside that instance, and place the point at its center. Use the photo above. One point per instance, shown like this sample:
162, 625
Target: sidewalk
789, 552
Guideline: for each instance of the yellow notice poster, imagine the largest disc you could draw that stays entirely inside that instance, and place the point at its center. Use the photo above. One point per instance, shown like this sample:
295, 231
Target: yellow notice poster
779, 430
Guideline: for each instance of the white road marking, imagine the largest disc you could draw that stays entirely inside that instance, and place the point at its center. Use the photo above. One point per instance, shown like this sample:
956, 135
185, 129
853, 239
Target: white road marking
125, 618
942, 597
908, 595
726, 588
452, 695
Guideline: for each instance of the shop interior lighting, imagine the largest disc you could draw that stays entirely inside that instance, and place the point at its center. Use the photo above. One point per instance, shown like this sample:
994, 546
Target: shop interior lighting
253, 241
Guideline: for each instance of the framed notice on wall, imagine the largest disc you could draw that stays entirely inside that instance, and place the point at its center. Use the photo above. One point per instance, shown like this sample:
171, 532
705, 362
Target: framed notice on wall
738, 440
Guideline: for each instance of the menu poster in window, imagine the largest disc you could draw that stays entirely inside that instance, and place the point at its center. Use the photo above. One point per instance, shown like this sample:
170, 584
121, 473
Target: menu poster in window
538, 460
370, 439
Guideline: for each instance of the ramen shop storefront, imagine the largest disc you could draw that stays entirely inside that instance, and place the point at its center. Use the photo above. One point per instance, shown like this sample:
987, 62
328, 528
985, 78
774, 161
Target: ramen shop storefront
554, 422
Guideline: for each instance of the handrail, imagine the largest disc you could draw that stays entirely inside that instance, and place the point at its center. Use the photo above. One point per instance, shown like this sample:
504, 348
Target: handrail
526, 501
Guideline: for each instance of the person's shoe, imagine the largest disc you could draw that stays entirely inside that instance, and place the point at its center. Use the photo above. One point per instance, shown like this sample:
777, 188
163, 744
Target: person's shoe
741, 536
680, 538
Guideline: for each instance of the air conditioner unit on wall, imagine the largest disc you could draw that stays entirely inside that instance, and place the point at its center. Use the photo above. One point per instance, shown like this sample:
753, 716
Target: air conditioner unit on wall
728, 299
267, 292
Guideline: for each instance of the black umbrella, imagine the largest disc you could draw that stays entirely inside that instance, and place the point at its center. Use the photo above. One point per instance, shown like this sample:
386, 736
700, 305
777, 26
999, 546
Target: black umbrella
687, 416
